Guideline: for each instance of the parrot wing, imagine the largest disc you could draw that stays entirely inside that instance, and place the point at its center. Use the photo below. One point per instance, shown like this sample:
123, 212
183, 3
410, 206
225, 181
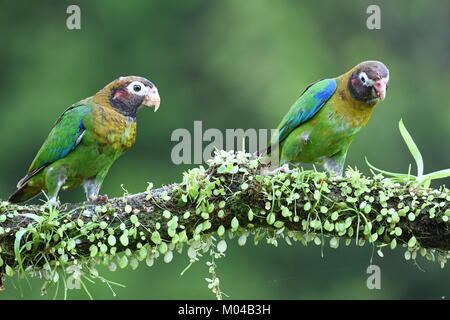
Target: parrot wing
310, 102
66, 134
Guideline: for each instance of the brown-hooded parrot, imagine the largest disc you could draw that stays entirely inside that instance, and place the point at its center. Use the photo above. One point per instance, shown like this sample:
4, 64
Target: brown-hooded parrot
86, 140
322, 123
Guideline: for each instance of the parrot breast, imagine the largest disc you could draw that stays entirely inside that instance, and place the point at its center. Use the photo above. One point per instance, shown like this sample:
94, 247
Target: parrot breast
112, 130
355, 114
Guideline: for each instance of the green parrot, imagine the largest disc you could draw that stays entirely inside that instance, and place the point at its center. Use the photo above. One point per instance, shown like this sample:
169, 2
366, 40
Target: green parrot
322, 123
86, 140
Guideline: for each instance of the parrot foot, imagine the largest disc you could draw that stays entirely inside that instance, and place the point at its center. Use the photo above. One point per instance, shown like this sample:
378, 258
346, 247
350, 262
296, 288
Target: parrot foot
412, 189
99, 198
283, 169
53, 202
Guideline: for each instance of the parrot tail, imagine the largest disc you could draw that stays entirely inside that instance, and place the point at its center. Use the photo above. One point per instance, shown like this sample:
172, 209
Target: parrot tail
24, 193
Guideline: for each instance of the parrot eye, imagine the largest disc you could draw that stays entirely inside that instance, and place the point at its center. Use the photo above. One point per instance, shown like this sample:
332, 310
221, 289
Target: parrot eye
136, 87
363, 78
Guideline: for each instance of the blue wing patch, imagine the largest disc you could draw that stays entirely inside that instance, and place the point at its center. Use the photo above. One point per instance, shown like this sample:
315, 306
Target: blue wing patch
65, 136
62, 151
310, 102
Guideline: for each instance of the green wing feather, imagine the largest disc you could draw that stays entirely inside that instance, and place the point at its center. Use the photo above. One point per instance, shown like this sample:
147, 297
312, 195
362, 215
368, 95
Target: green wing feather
309, 103
64, 137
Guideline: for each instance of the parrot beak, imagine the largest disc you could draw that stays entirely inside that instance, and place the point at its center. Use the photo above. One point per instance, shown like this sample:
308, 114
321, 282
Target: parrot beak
152, 99
380, 88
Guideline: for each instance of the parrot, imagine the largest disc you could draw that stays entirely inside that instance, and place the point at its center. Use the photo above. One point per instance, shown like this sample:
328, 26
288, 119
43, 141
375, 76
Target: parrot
322, 123
86, 140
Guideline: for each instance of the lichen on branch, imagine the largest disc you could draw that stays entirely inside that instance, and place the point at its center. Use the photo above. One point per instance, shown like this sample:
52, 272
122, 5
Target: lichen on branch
235, 195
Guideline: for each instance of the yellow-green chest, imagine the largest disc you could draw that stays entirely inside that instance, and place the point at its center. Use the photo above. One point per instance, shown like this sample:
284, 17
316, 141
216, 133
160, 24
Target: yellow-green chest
354, 113
113, 129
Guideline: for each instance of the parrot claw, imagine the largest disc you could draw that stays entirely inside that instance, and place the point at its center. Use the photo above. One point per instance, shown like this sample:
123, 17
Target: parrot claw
53, 202
283, 169
100, 198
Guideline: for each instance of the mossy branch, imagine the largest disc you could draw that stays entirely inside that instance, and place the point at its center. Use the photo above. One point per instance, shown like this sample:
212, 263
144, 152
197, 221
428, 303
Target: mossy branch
231, 195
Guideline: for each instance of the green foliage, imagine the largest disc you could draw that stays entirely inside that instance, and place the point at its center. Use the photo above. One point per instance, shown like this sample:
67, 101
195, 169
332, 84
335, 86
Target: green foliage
298, 206
220, 51
420, 179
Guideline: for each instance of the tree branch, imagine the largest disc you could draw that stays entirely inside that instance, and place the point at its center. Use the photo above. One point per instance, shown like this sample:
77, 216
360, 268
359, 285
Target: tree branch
231, 195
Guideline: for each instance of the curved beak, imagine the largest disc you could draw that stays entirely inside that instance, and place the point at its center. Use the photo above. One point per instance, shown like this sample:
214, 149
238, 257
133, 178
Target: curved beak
380, 88
152, 98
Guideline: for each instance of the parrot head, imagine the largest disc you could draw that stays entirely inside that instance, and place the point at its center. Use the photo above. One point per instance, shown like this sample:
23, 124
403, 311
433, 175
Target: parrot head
368, 82
128, 94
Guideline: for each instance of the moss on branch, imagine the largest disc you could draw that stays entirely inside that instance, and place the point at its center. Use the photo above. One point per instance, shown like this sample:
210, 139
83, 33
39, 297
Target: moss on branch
231, 196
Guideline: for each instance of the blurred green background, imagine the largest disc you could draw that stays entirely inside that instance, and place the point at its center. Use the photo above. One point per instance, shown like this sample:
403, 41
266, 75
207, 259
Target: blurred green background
231, 64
